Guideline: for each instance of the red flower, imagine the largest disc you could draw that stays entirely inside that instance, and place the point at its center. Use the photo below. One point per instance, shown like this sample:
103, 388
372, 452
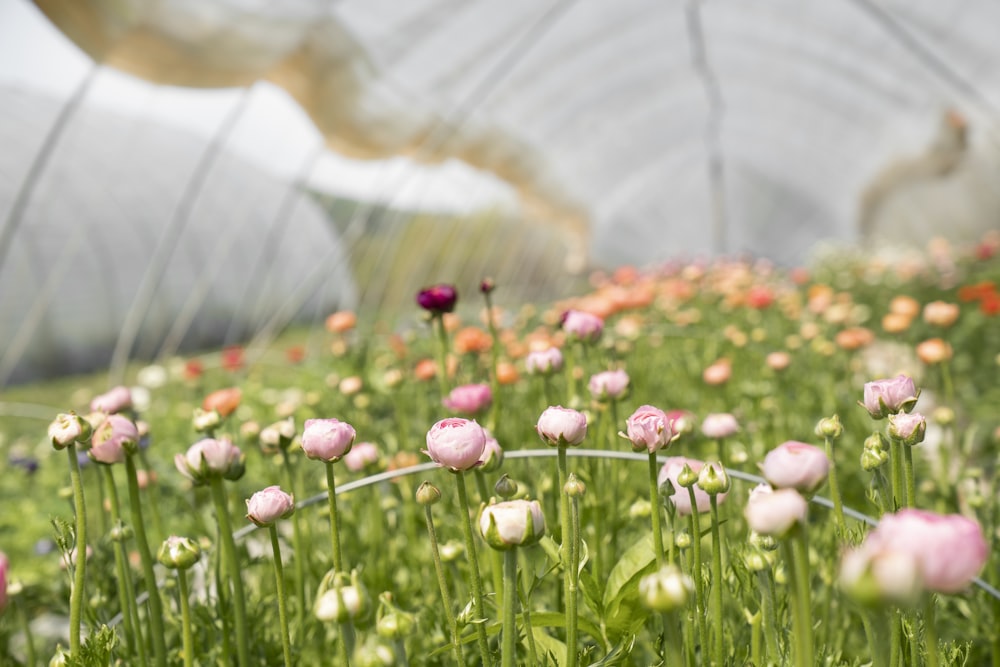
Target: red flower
977, 291
232, 358
990, 304
295, 354
193, 369
759, 297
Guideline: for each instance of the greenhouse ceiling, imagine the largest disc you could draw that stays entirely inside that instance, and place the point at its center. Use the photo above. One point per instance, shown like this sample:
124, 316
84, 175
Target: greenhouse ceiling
627, 131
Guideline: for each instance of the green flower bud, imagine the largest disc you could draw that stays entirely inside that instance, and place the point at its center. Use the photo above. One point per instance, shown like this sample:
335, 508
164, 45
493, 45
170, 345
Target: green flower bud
687, 477
829, 427
665, 590
428, 494
943, 415
755, 561
505, 487
683, 540
574, 488
452, 550
121, 532
179, 553
512, 523
341, 599
714, 481
640, 509
392, 622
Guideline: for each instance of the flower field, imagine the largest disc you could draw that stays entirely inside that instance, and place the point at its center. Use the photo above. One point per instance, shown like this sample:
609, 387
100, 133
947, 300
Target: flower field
707, 463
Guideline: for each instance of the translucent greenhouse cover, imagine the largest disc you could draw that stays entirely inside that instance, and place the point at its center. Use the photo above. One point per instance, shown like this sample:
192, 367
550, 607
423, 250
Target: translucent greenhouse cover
632, 130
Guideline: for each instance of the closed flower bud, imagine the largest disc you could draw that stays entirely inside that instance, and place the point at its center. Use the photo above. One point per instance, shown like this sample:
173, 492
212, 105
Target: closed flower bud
582, 326
327, 439
487, 285
544, 362
391, 621
880, 577
559, 426
456, 444
60, 659
469, 399
492, 457
908, 429
121, 532
687, 477
210, 458
775, 512
428, 494
279, 435
943, 415
796, 465
574, 488
505, 487
719, 425
452, 550
829, 428
683, 540
68, 429
609, 385
206, 422
437, 299
340, 599
113, 440
714, 480
665, 590
117, 399
268, 505
683, 473
179, 553
512, 523
755, 561
890, 396
649, 429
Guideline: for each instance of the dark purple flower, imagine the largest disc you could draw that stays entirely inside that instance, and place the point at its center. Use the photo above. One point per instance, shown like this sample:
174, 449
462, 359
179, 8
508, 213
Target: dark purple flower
438, 298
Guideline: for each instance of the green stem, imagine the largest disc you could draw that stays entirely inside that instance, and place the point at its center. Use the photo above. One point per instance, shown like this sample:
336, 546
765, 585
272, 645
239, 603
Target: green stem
186, 618
949, 388
495, 558
442, 335
911, 493
528, 632
838, 506
80, 562
133, 640
139, 526
477, 583
152, 493
896, 639
755, 640
29, 638
673, 645
449, 613
699, 584
331, 487
654, 513
279, 583
232, 569
401, 658
495, 360
930, 632
876, 630
509, 651
896, 462
573, 582
720, 654
770, 616
565, 547
884, 493
300, 550
803, 604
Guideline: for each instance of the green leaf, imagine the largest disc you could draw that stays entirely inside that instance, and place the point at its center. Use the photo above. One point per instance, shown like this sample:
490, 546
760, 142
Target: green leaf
550, 649
591, 593
554, 619
628, 569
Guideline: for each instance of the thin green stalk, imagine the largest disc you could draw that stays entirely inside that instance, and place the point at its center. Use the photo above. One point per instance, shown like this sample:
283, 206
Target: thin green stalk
699, 584
876, 629
896, 639
188, 640
401, 658
509, 650
838, 506
802, 604
133, 639
442, 335
331, 487
31, 658
573, 581
449, 612
526, 619
279, 583
154, 497
720, 654
884, 493
673, 644
146, 558
949, 387
654, 510
297, 544
222, 597
496, 560
896, 461
80, 562
564, 550
930, 632
911, 492
232, 569
477, 583
770, 616
495, 361
756, 657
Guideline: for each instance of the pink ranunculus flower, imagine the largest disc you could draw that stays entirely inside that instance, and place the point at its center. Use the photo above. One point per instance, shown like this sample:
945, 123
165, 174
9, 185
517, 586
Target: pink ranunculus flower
361, 456
649, 429
884, 576
327, 439
890, 396
681, 422
583, 326
268, 505
774, 513
681, 499
68, 429
456, 444
562, 426
210, 458
719, 425
492, 457
512, 523
796, 465
112, 440
950, 549
469, 399
608, 385
908, 428
115, 400
544, 362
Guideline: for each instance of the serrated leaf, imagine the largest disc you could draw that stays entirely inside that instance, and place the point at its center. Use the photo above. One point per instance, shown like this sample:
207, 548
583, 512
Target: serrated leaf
549, 648
591, 594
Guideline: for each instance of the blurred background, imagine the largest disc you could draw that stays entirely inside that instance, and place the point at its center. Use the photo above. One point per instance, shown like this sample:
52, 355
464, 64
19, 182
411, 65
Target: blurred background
182, 174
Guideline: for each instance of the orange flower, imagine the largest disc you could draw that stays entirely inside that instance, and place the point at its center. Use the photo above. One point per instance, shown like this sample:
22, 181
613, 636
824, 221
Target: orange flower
778, 361
341, 322
425, 370
990, 304
223, 401
904, 305
718, 373
934, 351
472, 340
895, 323
854, 338
295, 354
941, 313
759, 297
507, 373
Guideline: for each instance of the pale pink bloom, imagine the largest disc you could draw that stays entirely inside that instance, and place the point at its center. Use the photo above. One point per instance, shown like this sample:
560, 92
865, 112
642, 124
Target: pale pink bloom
544, 362
649, 428
327, 439
719, 425
469, 399
909, 428
608, 385
115, 400
112, 438
681, 422
718, 373
950, 549
361, 456
268, 505
778, 361
889, 396
562, 426
583, 326
774, 512
941, 313
796, 465
492, 457
211, 457
456, 444
68, 429
512, 523
884, 575
681, 499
